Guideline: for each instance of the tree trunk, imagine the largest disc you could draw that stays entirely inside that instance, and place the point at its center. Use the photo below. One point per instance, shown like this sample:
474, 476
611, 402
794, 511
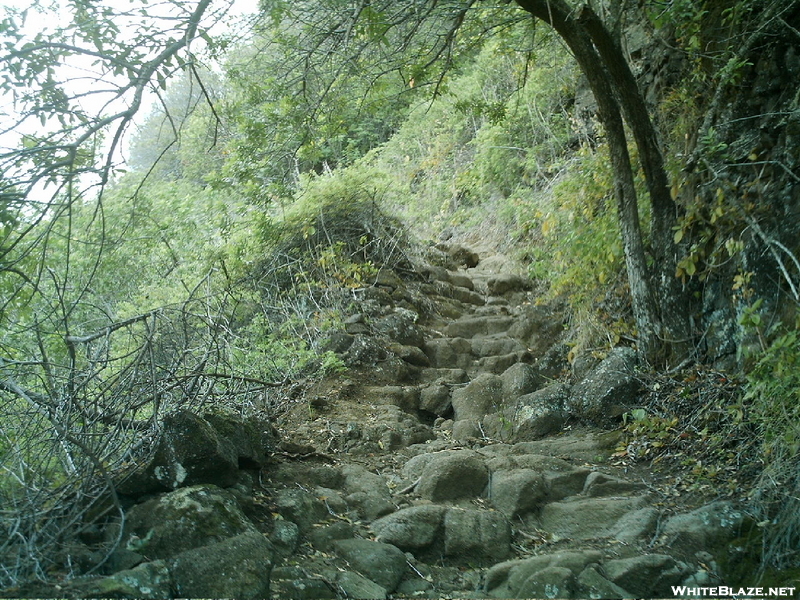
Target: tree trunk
673, 304
557, 14
663, 321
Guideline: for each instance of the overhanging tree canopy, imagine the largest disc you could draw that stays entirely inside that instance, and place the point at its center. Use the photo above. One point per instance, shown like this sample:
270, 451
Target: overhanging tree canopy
417, 41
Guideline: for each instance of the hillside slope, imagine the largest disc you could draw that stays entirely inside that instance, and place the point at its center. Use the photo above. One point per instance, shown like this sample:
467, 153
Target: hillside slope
460, 457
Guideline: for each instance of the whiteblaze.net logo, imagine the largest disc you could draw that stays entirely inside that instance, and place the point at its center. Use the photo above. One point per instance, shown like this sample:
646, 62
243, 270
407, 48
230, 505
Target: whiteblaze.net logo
732, 592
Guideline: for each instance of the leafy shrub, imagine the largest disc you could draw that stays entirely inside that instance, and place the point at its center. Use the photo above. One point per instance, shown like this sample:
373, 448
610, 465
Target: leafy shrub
337, 228
308, 257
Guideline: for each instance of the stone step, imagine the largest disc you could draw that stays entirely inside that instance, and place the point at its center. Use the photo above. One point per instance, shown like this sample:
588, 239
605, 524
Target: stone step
592, 518
469, 327
450, 353
493, 345
500, 364
443, 375
460, 280
448, 290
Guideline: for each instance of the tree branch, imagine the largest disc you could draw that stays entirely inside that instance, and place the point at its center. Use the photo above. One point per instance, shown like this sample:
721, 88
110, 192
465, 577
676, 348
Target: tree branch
74, 340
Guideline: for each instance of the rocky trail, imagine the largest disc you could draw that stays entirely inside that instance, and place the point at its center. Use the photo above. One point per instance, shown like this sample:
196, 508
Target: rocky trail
461, 456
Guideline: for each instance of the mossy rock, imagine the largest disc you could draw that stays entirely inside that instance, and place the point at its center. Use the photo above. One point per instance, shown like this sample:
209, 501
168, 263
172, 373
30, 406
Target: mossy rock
238, 567
189, 451
184, 519
250, 437
149, 580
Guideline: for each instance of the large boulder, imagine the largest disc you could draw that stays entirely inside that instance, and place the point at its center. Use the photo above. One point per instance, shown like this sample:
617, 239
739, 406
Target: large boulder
586, 518
609, 390
482, 396
325, 535
189, 451
251, 437
518, 491
182, 520
302, 508
382, 563
637, 525
561, 479
238, 567
451, 476
365, 350
707, 528
647, 576
366, 492
466, 536
400, 326
541, 413
450, 353
520, 578
285, 537
411, 529
435, 398
520, 379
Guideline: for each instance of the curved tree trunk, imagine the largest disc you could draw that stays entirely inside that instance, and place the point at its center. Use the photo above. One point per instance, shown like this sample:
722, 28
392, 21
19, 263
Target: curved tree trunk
662, 321
673, 304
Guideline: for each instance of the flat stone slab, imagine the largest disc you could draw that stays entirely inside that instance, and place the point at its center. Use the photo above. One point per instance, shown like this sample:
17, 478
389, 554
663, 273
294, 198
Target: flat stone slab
587, 518
469, 327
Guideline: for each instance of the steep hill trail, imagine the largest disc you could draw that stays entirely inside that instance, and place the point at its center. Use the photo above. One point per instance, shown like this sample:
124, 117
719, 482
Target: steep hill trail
456, 460
460, 456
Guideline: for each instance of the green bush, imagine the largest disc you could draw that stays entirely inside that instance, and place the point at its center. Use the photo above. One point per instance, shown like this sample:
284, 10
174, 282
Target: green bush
308, 256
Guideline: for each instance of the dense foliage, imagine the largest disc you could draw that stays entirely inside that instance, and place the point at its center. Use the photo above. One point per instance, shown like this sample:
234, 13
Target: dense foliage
271, 176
